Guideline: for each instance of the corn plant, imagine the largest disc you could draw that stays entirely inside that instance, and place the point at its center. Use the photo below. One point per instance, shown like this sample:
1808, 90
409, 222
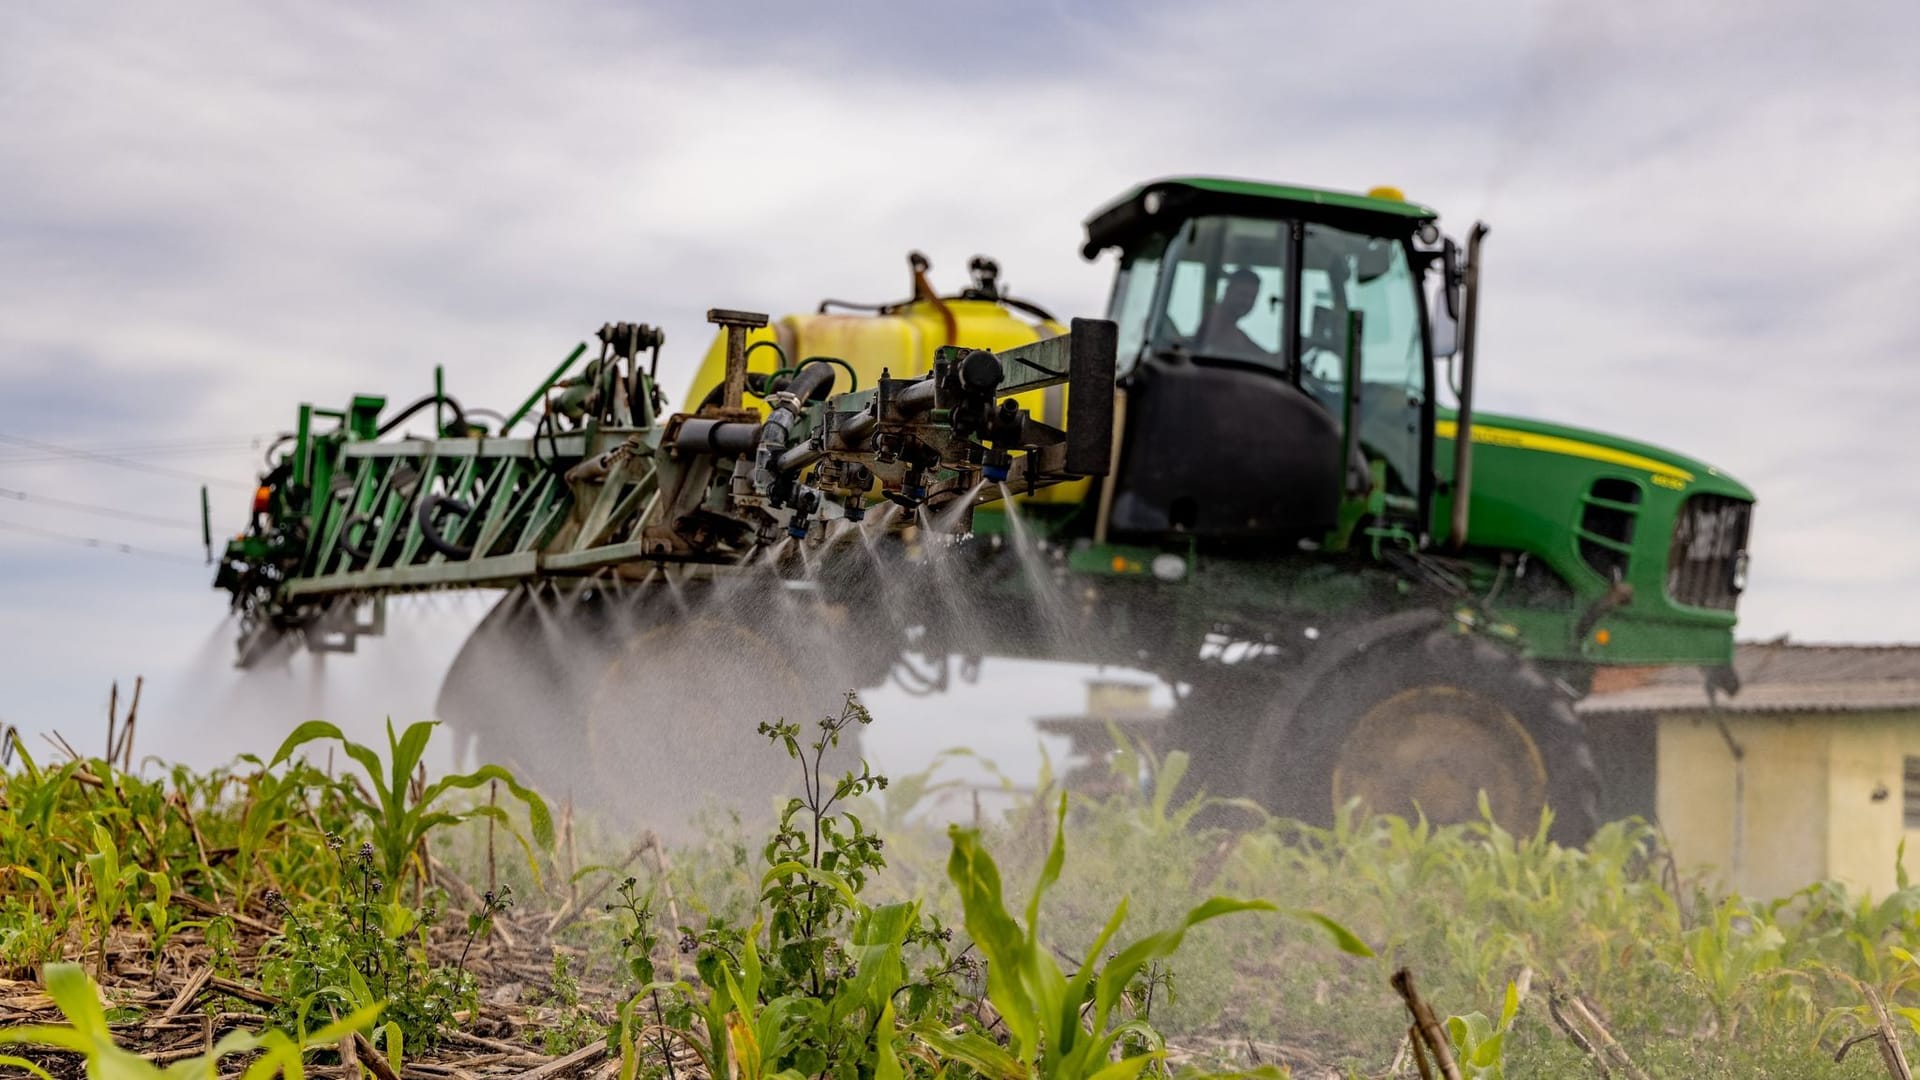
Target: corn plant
1059, 1026
111, 883
1479, 1044
157, 913
87, 1033
399, 818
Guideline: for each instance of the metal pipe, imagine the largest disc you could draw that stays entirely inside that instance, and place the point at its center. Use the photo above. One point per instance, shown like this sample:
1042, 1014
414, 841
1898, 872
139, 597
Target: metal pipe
1350, 405
799, 457
1463, 431
855, 431
534, 398
738, 324
913, 401
717, 436
302, 450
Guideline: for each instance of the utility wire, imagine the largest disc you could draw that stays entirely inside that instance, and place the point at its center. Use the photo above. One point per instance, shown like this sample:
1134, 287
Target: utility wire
99, 545
124, 463
229, 449
192, 444
103, 511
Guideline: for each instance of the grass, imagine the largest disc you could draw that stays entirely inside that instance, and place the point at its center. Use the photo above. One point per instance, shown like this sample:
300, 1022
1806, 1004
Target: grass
1078, 937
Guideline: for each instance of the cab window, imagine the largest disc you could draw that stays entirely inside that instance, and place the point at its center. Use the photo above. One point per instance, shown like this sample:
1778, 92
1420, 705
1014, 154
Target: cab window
1225, 297
1344, 273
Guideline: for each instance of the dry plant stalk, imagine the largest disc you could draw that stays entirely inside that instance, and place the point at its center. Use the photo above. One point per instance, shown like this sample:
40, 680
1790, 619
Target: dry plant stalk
375, 1061
571, 910
1419, 1055
1573, 1035
1597, 1042
1891, 1055
125, 745
1426, 1027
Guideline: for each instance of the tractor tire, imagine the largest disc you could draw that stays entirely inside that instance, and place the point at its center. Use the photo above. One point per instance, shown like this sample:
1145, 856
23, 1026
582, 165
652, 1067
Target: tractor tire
1425, 724
515, 694
673, 720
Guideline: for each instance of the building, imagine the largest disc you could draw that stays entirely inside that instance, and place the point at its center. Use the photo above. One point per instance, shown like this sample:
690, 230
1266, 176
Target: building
1810, 771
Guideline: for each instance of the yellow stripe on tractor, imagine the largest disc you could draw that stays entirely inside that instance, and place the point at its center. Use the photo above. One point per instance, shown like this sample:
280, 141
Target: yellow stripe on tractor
1663, 473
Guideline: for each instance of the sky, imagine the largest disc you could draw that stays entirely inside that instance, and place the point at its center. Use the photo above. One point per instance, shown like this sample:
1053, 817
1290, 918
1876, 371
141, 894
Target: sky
1704, 220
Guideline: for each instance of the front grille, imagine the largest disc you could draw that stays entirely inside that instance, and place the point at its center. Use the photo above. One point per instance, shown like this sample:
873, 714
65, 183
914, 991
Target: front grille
1706, 567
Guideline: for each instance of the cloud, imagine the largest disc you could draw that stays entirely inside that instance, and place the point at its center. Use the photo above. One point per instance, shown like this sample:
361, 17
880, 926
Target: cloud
1701, 216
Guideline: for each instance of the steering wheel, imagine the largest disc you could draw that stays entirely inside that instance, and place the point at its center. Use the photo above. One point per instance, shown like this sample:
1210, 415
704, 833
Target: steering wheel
1324, 388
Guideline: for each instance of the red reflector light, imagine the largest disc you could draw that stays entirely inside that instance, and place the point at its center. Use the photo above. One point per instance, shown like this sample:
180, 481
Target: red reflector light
261, 498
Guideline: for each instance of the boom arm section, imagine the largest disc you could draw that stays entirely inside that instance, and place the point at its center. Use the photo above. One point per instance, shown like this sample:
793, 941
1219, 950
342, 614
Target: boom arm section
350, 516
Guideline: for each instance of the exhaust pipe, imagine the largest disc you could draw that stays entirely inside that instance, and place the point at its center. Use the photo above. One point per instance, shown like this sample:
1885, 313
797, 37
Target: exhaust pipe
1463, 433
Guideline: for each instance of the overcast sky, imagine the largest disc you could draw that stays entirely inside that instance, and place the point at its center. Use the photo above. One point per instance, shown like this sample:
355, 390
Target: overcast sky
1705, 223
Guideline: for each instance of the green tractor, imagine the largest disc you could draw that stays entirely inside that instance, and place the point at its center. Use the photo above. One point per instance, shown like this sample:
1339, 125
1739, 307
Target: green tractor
1243, 481
1415, 595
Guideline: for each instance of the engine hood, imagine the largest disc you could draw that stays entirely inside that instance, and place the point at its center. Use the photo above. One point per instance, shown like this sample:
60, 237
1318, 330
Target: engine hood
1662, 466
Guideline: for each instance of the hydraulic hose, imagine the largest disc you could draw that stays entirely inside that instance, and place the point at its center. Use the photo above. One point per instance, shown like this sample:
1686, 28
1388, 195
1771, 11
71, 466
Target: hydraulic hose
905, 405
431, 509
812, 380
354, 539
459, 417
717, 437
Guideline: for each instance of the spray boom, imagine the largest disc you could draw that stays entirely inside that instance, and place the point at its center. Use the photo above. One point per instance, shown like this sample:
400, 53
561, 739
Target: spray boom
362, 511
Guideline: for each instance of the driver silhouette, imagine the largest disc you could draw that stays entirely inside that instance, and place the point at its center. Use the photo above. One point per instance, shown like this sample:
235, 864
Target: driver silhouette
1220, 333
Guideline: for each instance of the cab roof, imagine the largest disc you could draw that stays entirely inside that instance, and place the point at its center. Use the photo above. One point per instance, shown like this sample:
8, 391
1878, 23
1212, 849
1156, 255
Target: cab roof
1181, 196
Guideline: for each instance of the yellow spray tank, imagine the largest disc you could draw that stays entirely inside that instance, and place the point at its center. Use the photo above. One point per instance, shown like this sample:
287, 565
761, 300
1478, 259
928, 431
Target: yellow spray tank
900, 339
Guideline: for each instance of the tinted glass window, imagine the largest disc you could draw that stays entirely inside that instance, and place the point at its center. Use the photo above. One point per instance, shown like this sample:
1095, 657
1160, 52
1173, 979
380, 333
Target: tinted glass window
1343, 274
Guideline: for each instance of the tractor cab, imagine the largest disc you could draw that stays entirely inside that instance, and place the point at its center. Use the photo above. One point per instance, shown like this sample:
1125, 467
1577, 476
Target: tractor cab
1277, 355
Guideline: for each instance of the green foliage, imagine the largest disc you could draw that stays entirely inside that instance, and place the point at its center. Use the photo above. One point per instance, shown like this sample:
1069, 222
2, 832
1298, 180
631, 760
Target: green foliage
87, 1033
399, 816
573, 1025
1059, 1025
1479, 1044
820, 980
357, 952
820, 950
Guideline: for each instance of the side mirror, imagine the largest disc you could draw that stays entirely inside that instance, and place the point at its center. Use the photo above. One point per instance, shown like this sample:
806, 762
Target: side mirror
1452, 275
1445, 304
1445, 324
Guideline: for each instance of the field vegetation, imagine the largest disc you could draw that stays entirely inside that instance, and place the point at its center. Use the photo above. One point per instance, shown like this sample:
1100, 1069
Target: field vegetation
332, 909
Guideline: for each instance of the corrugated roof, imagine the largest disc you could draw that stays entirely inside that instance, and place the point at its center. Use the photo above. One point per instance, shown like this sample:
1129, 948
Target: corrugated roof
1779, 676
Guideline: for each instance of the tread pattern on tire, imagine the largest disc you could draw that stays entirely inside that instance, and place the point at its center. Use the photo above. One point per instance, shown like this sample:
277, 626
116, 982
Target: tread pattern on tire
1290, 764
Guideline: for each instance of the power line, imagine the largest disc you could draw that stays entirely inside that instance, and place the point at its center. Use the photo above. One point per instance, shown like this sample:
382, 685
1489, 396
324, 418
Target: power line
185, 442
232, 450
103, 511
99, 545
201, 447
124, 463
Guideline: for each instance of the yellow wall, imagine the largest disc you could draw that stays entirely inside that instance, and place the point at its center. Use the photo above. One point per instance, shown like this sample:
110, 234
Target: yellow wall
1808, 811
1778, 825
1864, 834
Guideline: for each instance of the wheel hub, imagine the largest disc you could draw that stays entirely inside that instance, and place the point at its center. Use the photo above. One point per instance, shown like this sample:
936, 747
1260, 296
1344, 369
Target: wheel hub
1433, 750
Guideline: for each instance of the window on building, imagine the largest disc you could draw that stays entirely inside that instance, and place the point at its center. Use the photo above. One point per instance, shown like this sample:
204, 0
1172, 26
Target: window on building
1910, 792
